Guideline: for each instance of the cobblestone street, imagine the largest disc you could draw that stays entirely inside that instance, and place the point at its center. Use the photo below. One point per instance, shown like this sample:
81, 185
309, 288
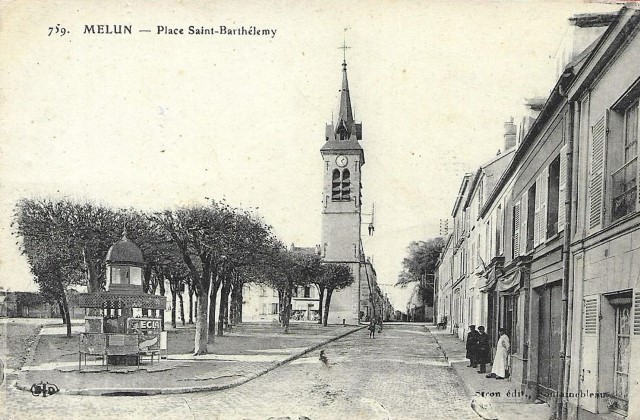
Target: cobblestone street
400, 374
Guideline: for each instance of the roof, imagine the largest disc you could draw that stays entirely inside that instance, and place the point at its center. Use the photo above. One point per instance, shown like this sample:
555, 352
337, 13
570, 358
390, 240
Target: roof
553, 101
461, 193
312, 250
125, 251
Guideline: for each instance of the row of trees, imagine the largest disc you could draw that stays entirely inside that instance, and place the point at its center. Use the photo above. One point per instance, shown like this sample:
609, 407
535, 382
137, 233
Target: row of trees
200, 250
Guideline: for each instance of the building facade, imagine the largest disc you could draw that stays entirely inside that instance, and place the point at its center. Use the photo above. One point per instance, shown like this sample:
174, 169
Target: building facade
603, 352
557, 237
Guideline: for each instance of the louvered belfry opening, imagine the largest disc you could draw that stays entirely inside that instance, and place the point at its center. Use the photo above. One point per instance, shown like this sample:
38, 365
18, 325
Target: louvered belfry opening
335, 186
341, 185
346, 185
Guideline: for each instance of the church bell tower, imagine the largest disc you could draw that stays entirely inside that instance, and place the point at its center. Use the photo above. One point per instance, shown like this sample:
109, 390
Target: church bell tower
343, 158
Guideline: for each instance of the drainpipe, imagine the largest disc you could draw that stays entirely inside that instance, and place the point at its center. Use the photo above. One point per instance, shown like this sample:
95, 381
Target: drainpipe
567, 278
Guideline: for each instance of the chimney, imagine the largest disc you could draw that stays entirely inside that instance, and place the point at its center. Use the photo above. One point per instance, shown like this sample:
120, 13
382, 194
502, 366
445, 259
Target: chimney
583, 30
533, 107
510, 136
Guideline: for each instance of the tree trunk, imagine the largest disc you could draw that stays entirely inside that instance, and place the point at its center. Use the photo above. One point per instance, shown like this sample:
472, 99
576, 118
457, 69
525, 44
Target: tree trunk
202, 331
173, 308
162, 292
213, 294
224, 304
190, 304
286, 313
61, 309
93, 285
65, 308
146, 285
327, 303
236, 304
181, 308
320, 302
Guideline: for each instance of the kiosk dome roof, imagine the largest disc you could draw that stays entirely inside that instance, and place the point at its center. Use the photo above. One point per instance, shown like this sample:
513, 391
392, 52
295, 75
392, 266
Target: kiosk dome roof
125, 251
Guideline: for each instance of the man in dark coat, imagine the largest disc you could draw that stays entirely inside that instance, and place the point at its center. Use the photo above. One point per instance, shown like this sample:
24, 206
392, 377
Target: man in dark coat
483, 350
472, 345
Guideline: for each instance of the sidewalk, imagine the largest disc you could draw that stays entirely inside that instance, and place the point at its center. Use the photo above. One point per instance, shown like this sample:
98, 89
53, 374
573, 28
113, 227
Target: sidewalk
506, 397
251, 350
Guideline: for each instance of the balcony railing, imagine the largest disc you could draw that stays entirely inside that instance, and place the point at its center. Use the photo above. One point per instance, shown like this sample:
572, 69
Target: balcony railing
624, 189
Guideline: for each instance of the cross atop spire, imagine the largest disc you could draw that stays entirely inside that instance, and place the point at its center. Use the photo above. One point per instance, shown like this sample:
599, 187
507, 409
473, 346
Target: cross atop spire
344, 48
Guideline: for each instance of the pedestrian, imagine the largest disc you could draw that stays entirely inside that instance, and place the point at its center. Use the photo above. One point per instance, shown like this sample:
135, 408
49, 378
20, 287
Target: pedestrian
372, 329
472, 346
379, 325
500, 366
483, 350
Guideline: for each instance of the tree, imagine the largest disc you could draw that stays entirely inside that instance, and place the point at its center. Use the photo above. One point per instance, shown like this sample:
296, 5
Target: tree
285, 270
65, 243
334, 277
247, 244
198, 233
419, 265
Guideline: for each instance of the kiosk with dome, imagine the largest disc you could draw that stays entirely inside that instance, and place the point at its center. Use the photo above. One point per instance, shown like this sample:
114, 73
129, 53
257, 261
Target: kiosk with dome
116, 329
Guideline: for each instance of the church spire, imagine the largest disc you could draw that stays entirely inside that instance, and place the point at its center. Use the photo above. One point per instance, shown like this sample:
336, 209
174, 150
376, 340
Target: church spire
345, 127
345, 115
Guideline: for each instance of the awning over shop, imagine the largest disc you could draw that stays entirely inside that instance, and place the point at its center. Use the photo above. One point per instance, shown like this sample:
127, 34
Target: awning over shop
506, 283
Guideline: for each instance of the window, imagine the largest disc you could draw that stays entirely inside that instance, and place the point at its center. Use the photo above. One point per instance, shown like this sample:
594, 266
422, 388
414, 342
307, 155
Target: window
263, 291
622, 355
307, 291
553, 201
119, 275
274, 309
624, 183
341, 185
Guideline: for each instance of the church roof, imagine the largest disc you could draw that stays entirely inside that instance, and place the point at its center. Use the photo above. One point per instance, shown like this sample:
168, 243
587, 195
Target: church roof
345, 115
341, 145
125, 251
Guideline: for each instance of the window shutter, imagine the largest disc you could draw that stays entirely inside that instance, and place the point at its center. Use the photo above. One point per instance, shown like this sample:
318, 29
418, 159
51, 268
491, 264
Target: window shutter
589, 350
536, 217
544, 198
634, 362
596, 174
636, 314
524, 213
516, 229
563, 189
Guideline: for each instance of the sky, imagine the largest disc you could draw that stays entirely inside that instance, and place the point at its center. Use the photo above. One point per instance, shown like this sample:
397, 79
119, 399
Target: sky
154, 121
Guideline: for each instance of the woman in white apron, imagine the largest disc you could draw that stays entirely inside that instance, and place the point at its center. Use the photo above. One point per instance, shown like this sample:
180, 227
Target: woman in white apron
500, 363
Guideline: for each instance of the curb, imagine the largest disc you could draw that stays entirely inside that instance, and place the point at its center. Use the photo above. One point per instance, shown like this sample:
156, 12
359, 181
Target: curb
467, 387
187, 390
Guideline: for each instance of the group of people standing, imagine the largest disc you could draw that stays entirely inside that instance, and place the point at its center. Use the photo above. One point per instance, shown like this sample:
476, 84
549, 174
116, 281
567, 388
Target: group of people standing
479, 352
